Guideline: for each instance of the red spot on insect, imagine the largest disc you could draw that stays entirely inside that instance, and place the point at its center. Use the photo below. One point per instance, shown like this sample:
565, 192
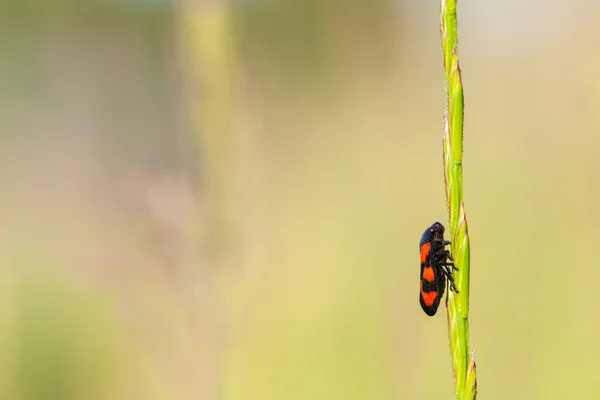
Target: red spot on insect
428, 274
425, 251
429, 298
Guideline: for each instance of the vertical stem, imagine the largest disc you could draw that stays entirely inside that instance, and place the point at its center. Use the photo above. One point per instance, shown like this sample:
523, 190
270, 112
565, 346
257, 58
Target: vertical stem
463, 361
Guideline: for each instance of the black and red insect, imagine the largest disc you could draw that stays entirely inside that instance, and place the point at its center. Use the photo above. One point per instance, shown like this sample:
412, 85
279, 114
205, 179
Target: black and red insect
435, 268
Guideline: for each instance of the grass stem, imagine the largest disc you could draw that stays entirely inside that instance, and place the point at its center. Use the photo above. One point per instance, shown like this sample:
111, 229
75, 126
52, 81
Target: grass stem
463, 361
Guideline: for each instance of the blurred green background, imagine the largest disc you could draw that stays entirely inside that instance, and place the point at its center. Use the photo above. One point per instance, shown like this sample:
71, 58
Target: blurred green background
223, 200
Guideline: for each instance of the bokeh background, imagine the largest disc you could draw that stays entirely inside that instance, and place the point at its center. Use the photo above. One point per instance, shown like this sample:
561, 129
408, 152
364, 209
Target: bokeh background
223, 200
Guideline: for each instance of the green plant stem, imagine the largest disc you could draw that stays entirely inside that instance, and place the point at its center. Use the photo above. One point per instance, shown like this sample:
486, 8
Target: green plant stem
463, 361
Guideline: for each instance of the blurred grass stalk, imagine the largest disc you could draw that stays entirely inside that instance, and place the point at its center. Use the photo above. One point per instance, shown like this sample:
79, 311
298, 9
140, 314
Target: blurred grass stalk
463, 361
208, 50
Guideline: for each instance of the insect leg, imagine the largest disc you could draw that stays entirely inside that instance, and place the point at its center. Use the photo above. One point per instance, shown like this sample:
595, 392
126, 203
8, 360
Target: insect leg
448, 273
449, 264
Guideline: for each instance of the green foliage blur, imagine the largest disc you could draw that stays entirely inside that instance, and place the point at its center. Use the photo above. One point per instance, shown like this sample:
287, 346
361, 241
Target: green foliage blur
223, 200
